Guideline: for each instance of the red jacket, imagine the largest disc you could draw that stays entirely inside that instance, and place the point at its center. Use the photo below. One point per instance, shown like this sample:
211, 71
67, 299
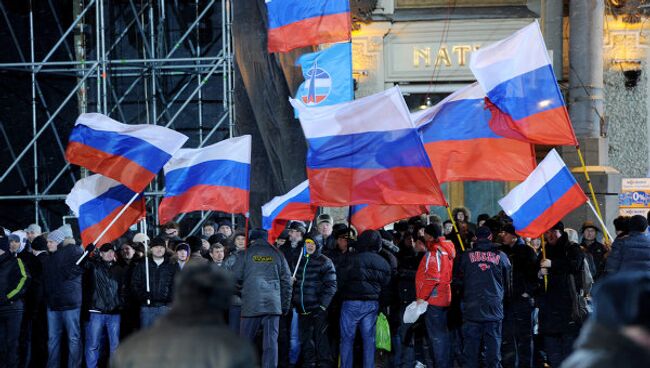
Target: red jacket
433, 279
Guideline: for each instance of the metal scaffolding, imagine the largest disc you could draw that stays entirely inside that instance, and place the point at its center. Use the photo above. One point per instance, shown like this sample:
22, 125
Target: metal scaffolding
165, 62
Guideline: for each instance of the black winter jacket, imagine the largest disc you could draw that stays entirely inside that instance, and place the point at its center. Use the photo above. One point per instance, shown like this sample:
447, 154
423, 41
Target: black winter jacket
484, 276
631, 253
34, 295
364, 274
14, 280
408, 264
107, 282
315, 283
597, 257
524, 269
63, 278
555, 304
161, 282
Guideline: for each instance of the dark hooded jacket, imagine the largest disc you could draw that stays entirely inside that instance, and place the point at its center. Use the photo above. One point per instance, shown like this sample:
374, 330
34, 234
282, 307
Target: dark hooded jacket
524, 269
315, 283
14, 280
63, 278
365, 272
484, 276
630, 253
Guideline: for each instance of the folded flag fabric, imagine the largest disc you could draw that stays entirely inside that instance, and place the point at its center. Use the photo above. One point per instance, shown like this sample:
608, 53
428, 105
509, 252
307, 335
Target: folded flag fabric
328, 76
130, 154
367, 152
544, 198
373, 217
462, 146
518, 77
96, 200
212, 178
299, 23
295, 205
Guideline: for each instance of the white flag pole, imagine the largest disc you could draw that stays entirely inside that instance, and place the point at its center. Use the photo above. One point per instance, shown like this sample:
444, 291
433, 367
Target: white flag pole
600, 220
119, 214
298, 264
146, 256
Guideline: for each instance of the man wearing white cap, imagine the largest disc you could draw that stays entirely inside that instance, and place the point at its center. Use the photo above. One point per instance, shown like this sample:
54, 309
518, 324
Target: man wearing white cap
32, 232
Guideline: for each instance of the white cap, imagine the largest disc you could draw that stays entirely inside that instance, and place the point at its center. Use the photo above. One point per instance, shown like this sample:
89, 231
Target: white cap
140, 238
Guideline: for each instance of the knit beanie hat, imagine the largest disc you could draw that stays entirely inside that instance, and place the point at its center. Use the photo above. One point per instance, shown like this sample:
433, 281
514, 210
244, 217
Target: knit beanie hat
56, 236
67, 231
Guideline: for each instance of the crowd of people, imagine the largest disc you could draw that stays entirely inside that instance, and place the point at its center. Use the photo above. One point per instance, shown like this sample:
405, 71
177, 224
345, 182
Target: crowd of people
487, 297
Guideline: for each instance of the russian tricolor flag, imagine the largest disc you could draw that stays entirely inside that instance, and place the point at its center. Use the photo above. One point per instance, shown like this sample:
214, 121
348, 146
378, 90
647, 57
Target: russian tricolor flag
213, 178
367, 152
373, 217
300, 23
544, 198
130, 154
462, 146
295, 205
518, 77
96, 200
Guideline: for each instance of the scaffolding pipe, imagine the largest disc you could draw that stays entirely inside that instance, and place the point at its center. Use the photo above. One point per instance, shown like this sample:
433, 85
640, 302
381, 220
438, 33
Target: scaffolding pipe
49, 121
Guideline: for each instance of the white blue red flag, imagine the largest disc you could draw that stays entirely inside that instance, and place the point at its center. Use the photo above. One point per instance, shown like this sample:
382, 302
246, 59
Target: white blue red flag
96, 200
525, 99
462, 146
295, 205
544, 198
328, 76
130, 154
300, 23
373, 217
213, 178
367, 152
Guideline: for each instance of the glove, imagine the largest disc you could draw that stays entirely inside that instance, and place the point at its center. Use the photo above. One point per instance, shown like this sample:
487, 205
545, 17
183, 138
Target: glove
90, 248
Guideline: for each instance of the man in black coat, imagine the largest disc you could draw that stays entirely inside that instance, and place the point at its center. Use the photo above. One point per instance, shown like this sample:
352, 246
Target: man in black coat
484, 276
596, 250
107, 299
517, 323
63, 297
154, 302
361, 281
557, 326
313, 290
13, 284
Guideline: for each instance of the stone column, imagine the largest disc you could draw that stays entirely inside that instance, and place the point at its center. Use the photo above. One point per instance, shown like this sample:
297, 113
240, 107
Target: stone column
552, 27
585, 104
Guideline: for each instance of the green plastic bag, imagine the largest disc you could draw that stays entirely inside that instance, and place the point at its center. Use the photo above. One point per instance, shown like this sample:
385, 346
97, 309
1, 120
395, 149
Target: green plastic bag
382, 339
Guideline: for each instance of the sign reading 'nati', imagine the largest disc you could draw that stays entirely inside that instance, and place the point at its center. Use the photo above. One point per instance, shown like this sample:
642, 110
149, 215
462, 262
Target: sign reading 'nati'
422, 51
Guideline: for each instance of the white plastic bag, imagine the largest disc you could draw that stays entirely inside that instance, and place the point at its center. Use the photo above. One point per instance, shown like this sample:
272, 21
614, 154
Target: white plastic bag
413, 311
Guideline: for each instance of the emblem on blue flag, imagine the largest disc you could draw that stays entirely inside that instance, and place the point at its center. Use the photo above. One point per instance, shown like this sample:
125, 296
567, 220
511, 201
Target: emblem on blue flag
328, 76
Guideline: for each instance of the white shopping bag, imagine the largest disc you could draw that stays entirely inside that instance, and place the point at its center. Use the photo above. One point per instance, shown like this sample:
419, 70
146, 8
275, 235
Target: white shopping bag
413, 311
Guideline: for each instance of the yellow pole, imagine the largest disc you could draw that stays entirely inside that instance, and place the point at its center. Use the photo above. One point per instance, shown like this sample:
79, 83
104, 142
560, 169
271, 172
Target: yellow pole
544, 256
591, 190
453, 222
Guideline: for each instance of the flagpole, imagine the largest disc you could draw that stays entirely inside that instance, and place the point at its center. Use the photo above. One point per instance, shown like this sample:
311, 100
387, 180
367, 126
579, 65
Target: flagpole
146, 256
605, 231
544, 256
119, 214
453, 222
246, 230
593, 194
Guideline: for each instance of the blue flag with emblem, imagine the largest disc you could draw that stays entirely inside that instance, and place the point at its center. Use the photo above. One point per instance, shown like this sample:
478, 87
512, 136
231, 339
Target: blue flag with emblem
328, 76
